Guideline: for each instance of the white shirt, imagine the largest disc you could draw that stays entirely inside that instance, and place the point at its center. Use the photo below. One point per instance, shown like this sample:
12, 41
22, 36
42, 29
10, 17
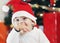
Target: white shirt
34, 36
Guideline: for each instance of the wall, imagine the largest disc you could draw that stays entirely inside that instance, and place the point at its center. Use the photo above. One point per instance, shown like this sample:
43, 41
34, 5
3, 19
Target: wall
2, 14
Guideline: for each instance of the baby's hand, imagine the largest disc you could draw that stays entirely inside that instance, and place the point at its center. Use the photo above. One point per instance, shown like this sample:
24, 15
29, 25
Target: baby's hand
21, 26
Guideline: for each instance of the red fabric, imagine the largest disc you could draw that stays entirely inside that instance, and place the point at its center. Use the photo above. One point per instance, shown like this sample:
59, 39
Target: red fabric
3, 33
22, 6
58, 28
13, 1
50, 26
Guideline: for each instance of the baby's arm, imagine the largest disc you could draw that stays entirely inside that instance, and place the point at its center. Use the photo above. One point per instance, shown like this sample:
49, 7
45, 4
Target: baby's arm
13, 37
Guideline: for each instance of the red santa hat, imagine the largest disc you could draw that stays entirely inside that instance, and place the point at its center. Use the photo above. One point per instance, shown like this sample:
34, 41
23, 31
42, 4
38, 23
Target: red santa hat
23, 9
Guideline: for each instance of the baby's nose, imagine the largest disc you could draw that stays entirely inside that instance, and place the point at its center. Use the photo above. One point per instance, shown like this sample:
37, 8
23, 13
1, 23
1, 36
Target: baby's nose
23, 23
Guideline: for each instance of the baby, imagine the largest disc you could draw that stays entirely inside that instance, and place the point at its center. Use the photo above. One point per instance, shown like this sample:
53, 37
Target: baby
24, 30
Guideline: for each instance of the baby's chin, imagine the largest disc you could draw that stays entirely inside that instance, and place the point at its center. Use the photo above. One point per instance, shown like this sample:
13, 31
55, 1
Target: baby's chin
26, 30
23, 33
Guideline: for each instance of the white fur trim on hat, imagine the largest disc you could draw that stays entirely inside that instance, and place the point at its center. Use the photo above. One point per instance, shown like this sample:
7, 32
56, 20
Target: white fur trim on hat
23, 13
5, 8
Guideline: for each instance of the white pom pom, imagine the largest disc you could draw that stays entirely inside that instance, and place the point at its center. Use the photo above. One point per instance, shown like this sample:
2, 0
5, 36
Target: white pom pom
5, 8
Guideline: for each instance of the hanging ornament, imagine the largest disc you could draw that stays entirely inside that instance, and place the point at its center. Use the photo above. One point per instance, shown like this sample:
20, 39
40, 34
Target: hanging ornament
41, 15
52, 2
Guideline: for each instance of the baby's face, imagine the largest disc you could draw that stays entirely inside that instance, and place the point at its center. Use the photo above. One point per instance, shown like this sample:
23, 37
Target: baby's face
24, 22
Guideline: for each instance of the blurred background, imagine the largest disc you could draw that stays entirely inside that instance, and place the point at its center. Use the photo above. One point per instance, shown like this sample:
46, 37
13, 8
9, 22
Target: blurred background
47, 13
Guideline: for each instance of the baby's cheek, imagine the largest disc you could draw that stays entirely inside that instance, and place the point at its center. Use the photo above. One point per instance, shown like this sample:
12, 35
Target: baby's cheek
28, 24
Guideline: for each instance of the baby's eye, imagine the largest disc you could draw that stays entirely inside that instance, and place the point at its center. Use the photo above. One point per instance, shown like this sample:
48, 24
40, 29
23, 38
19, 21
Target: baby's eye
17, 19
24, 18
